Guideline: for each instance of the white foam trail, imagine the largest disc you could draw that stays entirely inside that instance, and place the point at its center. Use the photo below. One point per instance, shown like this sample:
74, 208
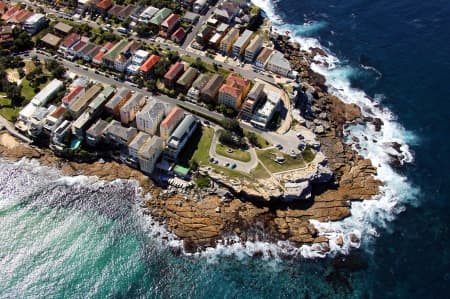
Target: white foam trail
369, 215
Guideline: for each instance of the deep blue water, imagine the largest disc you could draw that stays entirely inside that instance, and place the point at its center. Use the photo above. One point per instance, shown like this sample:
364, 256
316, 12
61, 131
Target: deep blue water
62, 239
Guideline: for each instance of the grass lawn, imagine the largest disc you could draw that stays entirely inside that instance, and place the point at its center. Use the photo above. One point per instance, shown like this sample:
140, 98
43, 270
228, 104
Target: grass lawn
8, 112
232, 153
229, 172
308, 154
29, 66
197, 149
27, 91
267, 157
260, 172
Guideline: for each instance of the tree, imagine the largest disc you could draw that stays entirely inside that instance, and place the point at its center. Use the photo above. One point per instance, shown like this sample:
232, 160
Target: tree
233, 125
14, 92
253, 139
161, 67
198, 64
150, 84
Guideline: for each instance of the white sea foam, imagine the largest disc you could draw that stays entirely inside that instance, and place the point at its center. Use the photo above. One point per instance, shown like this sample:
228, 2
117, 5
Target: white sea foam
366, 216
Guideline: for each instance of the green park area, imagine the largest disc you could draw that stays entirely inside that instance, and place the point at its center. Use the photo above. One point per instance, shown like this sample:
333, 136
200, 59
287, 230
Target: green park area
236, 154
276, 161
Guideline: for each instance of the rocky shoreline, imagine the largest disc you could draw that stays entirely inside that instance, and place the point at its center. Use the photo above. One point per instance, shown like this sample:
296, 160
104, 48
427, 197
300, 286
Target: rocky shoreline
201, 220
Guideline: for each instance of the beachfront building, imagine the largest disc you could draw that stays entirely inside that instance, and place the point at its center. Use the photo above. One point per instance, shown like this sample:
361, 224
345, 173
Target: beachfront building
211, 89
172, 75
131, 107
180, 137
47, 93
228, 41
146, 68
54, 119
149, 154
76, 107
150, 116
135, 145
262, 58
118, 135
278, 64
94, 134
185, 81
255, 95
193, 93
113, 106
253, 48
59, 137
167, 126
242, 42
265, 111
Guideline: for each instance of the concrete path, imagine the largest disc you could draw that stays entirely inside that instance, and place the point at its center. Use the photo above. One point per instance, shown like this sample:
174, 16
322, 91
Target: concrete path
240, 166
8, 126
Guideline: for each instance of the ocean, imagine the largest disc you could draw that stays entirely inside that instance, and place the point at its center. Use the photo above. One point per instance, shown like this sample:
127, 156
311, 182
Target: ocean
63, 237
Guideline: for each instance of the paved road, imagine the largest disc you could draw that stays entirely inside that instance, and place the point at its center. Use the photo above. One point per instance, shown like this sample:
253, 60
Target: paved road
197, 27
246, 167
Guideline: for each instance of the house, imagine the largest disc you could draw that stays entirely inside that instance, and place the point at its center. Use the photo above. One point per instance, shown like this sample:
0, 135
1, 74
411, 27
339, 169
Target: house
98, 57
136, 61
228, 40
200, 6
253, 48
114, 10
147, 14
242, 42
48, 92
68, 42
211, 89
278, 64
81, 124
185, 81
266, 110
54, 119
97, 104
172, 75
233, 9
94, 134
131, 107
191, 17
223, 15
233, 91
135, 145
50, 40
149, 154
126, 12
171, 121
180, 137
113, 106
118, 135
204, 35
76, 107
6, 37
58, 137
89, 54
262, 58
194, 92
147, 67
169, 25
159, 17
255, 95
85, 51
20, 17
37, 120
123, 58
103, 6
74, 93
10, 12
179, 35
35, 23
110, 56
74, 51
150, 116
62, 28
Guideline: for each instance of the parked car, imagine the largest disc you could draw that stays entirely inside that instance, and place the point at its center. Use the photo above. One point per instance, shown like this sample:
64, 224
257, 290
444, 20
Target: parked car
233, 165
278, 146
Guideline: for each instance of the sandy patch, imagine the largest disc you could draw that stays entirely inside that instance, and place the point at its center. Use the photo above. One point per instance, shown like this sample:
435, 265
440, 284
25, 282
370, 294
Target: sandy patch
8, 141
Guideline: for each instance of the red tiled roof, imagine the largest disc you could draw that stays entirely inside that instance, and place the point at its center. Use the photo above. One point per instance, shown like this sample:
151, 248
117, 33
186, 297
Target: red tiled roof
3, 7
108, 46
20, 16
171, 117
72, 94
12, 10
78, 45
170, 20
58, 112
98, 58
70, 39
179, 34
149, 63
238, 82
235, 92
174, 70
104, 4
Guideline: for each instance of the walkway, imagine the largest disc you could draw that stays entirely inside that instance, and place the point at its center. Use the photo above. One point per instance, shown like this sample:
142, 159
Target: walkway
240, 166
8, 126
